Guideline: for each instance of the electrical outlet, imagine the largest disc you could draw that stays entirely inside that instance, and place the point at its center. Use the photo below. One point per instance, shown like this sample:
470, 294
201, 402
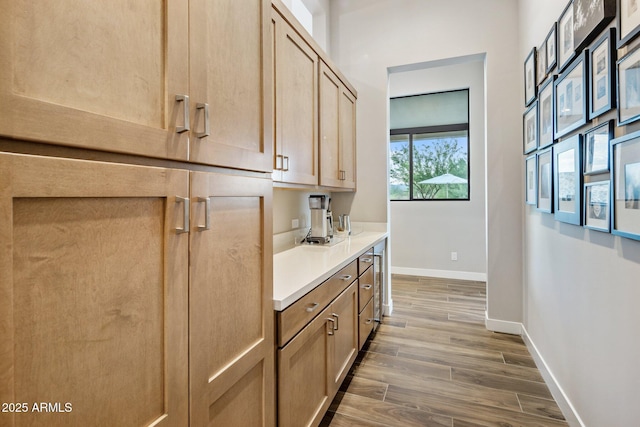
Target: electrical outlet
295, 223
454, 256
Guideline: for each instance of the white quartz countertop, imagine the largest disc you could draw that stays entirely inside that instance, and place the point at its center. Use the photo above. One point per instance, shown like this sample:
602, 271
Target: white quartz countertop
299, 270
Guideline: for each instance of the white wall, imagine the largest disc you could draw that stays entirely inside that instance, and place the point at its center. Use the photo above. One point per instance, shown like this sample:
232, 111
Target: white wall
582, 290
368, 37
425, 233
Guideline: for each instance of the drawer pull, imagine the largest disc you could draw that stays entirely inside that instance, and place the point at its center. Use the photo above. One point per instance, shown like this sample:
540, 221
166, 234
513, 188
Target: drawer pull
337, 323
331, 329
207, 125
369, 260
312, 307
207, 213
185, 213
367, 287
346, 277
368, 322
185, 114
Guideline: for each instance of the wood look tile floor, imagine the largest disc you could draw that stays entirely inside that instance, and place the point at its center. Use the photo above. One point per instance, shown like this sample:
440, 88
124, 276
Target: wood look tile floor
433, 363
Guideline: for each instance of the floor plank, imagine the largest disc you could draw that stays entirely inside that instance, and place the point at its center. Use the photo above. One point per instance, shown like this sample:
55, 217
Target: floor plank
433, 363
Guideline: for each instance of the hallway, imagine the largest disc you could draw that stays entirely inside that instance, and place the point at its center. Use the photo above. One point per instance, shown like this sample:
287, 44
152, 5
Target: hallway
433, 363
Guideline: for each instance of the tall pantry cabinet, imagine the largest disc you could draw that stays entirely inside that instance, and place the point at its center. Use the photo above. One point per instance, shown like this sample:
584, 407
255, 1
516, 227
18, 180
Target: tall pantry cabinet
135, 193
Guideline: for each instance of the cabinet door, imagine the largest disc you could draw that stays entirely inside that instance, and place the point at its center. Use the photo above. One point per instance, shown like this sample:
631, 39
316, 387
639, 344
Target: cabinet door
93, 292
348, 139
303, 368
296, 84
330, 93
100, 75
345, 338
231, 343
231, 65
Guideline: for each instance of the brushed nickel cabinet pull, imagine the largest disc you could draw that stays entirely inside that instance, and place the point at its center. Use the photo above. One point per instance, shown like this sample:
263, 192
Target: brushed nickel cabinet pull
346, 277
367, 260
207, 126
285, 168
207, 213
312, 307
185, 114
368, 322
185, 220
337, 323
367, 287
331, 329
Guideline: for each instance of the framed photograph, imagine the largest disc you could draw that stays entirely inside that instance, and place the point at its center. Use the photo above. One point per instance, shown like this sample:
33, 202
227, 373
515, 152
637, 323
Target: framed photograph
541, 64
530, 128
566, 50
602, 78
545, 113
596, 206
530, 79
567, 180
625, 192
590, 17
570, 97
551, 46
544, 202
628, 21
530, 180
629, 88
596, 148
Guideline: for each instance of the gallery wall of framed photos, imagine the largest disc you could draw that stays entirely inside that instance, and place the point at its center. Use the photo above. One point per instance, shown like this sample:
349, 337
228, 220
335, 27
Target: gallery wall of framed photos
581, 118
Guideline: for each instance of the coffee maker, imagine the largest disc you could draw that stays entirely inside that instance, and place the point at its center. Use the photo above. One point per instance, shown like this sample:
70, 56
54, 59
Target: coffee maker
321, 220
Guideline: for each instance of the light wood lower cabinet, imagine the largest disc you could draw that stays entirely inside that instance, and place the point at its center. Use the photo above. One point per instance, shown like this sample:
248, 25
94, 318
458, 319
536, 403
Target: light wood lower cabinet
231, 357
314, 363
93, 292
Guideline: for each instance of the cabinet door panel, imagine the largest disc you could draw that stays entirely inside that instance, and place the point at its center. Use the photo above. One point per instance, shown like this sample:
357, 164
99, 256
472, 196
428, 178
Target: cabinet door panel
296, 105
330, 94
345, 338
93, 292
303, 368
95, 75
231, 302
348, 138
231, 72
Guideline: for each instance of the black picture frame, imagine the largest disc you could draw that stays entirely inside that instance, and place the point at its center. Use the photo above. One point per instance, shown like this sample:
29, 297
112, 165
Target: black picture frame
544, 181
530, 79
628, 93
602, 75
595, 144
570, 97
624, 160
590, 18
628, 21
597, 212
567, 180
531, 179
546, 112
551, 47
566, 48
530, 129
541, 63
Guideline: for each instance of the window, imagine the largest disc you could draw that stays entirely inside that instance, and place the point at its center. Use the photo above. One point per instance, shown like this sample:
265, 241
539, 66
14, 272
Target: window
430, 162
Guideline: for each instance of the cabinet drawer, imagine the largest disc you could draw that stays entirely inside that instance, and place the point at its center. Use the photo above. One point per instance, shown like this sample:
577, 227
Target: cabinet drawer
365, 261
365, 288
365, 324
298, 314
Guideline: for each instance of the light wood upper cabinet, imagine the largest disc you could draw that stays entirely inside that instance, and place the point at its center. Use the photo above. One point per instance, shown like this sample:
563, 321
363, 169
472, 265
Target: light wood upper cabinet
337, 131
180, 79
296, 100
231, 76
93, 292
231, 336
100, 75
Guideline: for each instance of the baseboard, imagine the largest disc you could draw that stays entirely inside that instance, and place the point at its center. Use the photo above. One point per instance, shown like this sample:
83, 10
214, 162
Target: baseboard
502, 326
444, 274
569, 412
